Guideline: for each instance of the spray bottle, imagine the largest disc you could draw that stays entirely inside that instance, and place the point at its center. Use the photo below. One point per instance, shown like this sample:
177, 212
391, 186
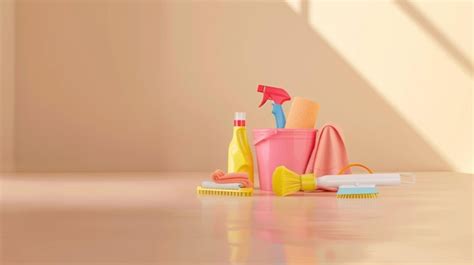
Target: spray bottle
278, 96
240, 157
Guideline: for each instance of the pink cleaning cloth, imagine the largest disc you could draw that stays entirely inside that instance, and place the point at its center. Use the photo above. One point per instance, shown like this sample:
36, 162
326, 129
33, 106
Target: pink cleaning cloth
220, 176
329, 155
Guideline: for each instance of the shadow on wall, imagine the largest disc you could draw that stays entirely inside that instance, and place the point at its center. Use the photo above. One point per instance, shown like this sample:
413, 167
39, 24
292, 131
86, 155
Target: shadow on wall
167, 77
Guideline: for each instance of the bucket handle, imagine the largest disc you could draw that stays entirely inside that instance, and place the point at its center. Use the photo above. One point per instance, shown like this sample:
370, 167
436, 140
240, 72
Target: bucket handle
355, 165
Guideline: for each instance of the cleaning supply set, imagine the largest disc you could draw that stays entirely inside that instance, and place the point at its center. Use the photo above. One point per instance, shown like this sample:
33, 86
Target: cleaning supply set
294, 156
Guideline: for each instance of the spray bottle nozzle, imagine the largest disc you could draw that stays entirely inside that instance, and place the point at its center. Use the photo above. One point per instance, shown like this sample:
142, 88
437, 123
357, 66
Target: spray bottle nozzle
278, 95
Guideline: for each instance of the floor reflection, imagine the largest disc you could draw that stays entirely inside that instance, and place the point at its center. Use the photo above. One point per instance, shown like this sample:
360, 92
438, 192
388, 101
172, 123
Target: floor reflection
233, 217
292, 230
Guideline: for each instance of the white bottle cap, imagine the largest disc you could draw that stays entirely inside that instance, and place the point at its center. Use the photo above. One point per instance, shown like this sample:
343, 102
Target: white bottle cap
239, 116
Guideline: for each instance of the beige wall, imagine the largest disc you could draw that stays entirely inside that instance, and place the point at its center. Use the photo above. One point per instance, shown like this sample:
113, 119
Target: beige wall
147, 86
7, 47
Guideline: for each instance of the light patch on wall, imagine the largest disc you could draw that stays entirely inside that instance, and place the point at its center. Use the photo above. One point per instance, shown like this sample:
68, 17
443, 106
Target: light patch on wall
295, 5
413, 73
459, 18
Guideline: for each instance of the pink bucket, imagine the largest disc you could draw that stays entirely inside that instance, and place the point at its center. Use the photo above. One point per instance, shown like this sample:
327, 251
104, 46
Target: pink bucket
276, 147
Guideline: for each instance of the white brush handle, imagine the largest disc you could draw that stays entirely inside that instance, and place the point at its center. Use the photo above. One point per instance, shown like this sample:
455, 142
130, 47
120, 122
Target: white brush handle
383, 179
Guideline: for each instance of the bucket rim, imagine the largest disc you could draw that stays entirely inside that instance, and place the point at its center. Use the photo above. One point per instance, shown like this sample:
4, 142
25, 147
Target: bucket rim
261, 135
284, 130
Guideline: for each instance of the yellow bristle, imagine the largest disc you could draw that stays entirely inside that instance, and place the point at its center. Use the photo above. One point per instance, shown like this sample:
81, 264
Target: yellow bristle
240, 192
285, 181
357, 196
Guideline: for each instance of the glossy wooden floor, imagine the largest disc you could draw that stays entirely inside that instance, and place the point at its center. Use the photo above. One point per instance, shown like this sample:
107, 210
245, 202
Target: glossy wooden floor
158, 219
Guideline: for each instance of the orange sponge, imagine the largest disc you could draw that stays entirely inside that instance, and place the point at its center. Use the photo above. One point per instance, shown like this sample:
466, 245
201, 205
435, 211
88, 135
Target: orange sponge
303, 114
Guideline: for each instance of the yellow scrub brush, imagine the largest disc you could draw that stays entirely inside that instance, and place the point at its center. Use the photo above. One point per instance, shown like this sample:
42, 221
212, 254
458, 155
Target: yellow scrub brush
242, 192
226, 189
286, 182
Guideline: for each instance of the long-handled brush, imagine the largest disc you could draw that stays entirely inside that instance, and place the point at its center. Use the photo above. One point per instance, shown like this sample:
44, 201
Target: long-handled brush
286, 182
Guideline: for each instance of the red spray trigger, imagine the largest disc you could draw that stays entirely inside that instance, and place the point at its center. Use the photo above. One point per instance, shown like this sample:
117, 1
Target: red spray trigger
278, 95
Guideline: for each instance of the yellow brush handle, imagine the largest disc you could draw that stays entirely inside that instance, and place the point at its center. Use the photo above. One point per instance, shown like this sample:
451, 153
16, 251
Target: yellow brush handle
355, 165
308, 182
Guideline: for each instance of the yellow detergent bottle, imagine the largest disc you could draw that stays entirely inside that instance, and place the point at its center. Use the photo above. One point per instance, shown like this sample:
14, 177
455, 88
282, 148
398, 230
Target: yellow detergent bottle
239, 156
